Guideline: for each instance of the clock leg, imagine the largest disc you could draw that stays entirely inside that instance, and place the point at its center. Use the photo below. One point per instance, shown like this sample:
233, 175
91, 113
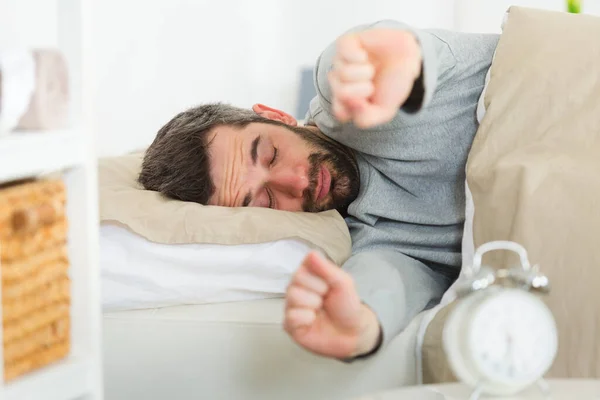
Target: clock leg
477, 392
544, 388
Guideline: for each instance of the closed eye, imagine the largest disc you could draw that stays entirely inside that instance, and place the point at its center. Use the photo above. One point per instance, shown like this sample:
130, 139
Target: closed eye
271, 199
271, 163
275, 154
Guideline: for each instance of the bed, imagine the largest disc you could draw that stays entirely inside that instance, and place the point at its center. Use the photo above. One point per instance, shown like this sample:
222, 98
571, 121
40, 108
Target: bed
228, 341
236, 348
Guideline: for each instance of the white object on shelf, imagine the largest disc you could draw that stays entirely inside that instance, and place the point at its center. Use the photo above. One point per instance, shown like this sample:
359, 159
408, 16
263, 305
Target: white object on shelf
25, 154
18, 84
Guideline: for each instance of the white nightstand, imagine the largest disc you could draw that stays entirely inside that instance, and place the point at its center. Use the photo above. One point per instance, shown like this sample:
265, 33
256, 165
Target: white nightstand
559, 390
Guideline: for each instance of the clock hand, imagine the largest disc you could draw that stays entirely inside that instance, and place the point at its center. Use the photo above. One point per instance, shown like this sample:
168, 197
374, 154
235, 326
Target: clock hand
509, 347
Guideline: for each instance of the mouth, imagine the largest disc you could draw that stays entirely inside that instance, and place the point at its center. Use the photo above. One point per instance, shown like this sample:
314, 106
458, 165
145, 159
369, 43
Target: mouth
324, 183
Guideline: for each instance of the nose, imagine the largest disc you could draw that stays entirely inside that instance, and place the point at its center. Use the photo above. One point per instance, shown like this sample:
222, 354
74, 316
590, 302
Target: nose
293, 181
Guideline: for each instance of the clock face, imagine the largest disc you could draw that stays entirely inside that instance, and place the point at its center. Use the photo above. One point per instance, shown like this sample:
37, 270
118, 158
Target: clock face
512, 337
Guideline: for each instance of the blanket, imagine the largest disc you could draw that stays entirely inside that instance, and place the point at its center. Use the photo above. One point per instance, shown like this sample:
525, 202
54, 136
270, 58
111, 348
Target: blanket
533, 175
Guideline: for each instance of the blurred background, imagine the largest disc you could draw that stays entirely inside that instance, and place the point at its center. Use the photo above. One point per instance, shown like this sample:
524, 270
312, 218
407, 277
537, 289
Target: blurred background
153, 58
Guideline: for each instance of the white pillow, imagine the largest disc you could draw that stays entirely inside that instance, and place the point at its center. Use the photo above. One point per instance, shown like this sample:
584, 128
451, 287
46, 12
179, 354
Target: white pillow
137, 273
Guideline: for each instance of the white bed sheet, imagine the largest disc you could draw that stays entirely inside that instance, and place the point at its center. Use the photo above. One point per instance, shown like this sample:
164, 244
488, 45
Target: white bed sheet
138, 274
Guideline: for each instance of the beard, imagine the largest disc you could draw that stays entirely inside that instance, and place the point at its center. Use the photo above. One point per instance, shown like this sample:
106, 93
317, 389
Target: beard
341, 163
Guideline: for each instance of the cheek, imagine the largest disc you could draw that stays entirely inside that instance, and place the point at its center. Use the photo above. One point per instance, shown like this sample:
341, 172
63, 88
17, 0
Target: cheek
287, 204
299, 161
294, 158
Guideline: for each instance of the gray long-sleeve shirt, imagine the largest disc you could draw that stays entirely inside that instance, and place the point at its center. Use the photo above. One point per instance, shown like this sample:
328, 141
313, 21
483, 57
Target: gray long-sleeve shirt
407, 222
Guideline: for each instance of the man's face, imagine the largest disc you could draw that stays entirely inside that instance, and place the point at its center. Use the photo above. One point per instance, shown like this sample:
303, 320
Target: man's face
281, 167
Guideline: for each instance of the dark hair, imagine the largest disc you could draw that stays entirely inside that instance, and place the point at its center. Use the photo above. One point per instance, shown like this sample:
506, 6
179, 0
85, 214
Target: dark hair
177, 163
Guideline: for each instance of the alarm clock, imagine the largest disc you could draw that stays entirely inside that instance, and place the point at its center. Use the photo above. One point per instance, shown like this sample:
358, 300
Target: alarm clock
500, 338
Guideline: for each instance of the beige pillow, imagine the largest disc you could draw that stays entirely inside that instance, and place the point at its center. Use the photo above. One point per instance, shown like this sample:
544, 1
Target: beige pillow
534, 173
162, 220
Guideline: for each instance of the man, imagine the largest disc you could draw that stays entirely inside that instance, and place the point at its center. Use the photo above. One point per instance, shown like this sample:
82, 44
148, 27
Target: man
385, 143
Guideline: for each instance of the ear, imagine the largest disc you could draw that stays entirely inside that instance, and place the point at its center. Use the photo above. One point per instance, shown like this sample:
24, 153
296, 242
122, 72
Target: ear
274, 114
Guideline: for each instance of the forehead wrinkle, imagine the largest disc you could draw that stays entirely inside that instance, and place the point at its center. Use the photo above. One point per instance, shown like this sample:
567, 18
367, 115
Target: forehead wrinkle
222, 195
236, 174
219, 179
226, 163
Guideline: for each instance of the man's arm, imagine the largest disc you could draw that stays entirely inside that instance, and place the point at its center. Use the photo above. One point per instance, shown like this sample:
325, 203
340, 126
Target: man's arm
324, 314
405, 67
395, 287
350, 312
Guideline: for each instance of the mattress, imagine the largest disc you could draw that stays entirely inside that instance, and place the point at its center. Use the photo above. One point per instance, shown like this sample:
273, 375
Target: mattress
236, 351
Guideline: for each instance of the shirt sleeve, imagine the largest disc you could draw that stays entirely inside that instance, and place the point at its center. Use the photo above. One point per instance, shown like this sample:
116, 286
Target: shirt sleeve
437, 59
395, 287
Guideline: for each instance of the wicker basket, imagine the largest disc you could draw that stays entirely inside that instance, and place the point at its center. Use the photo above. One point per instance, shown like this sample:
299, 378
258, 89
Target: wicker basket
35, 283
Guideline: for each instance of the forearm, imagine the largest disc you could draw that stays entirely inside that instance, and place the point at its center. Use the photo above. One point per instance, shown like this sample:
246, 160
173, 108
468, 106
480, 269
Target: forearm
431, 50
394, 288
431, 64
371, 336
406, 57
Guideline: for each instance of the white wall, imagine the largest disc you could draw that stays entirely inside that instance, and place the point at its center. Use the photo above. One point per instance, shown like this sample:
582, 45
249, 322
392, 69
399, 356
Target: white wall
20, 26
487, 15
157, 57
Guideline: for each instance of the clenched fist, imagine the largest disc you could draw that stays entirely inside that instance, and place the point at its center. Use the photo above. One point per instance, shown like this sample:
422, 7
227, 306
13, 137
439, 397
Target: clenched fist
373, 75
324, 314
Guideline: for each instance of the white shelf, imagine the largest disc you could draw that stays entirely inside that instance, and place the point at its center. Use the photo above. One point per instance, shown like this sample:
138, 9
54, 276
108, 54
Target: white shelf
67, 379
28, 153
